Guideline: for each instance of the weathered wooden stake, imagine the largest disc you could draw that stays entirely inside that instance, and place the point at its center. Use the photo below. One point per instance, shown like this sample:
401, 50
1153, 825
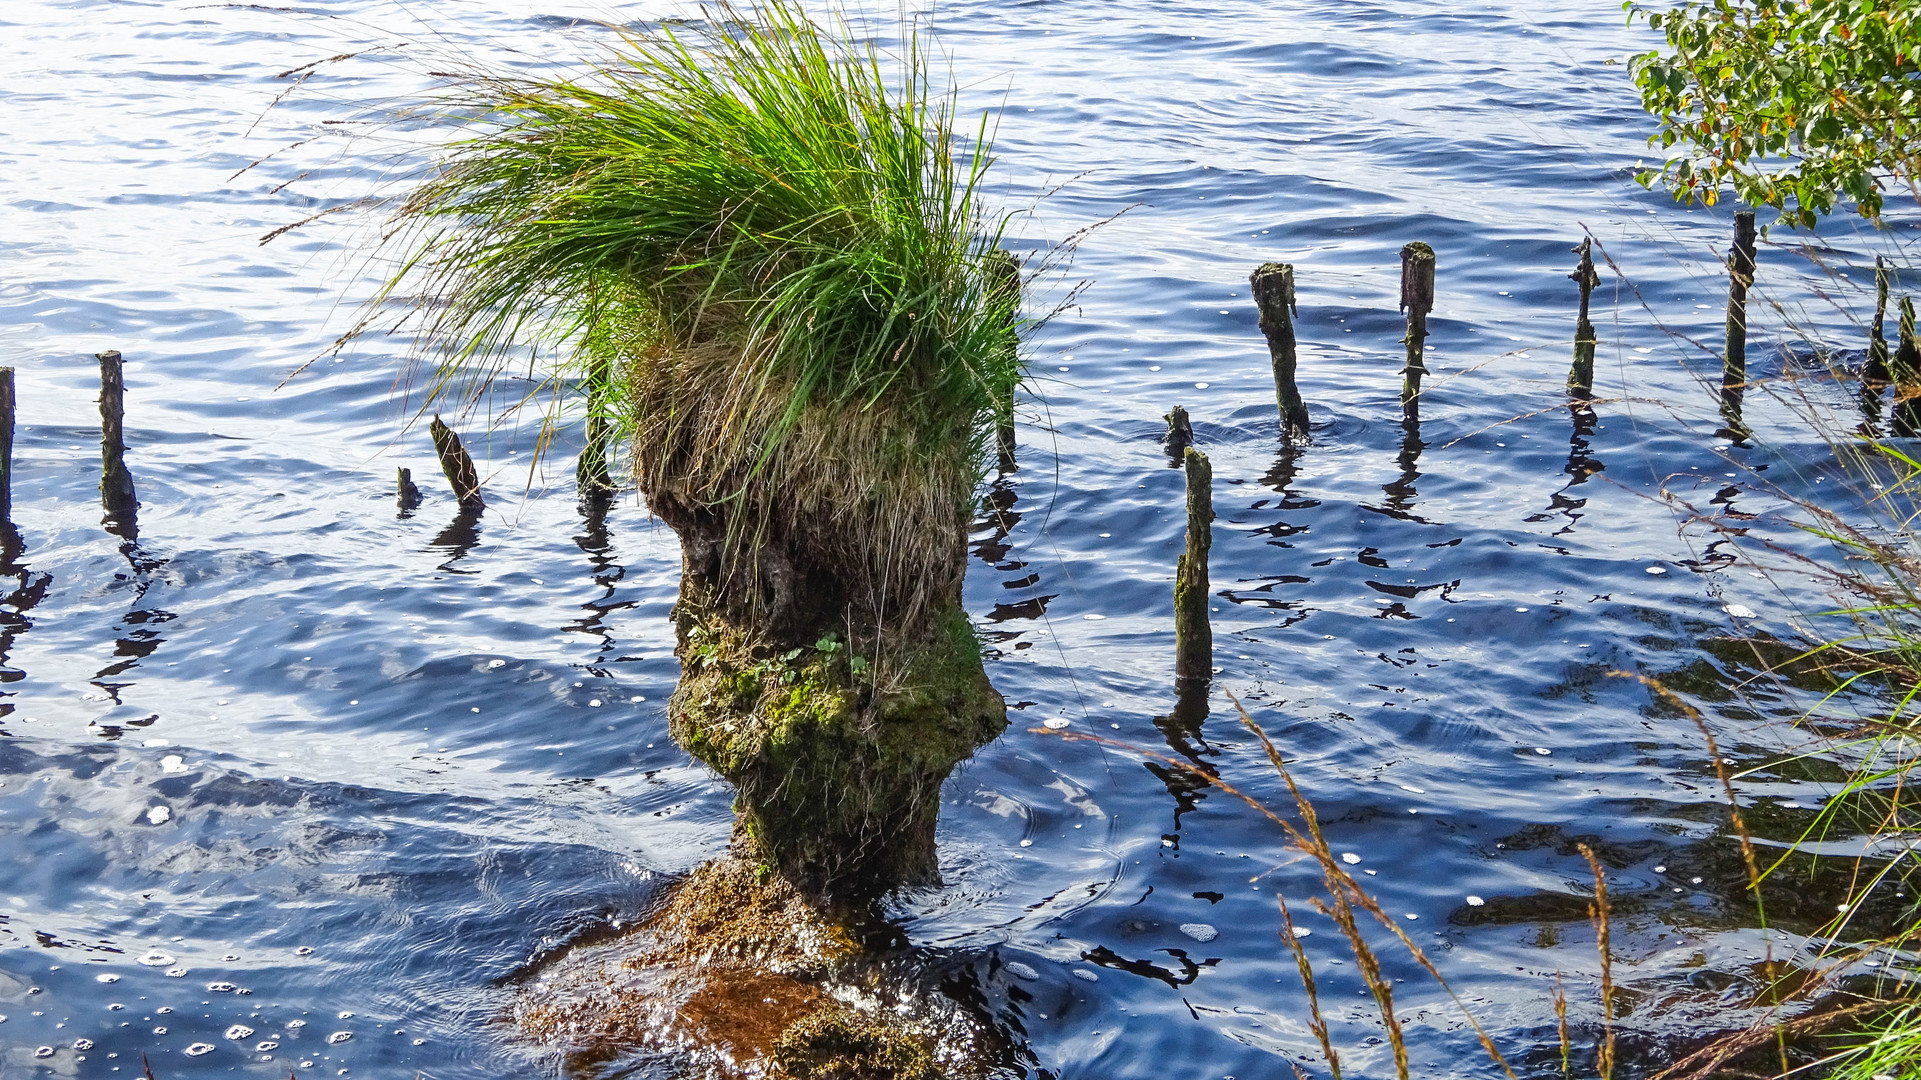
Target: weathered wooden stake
1734, 365
1877, 368
459, 467
1180, 433
6, 449
1193, 635
1580, 377
1906, 366
1274, 298
1417, 300
1005, 276
116, 483
590, 472
408, 494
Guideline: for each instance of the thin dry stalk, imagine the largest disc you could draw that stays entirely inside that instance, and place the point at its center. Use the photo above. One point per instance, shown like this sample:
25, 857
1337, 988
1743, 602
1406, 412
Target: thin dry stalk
1560, 1024
1747, 842
1599, 911
1370, 966
1343, 890
1315, 1021
1335, 873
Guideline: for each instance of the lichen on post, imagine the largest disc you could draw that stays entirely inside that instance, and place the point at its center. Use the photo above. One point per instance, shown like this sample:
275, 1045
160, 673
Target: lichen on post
1193, 631
1273, 289
1417, 300
1580, 379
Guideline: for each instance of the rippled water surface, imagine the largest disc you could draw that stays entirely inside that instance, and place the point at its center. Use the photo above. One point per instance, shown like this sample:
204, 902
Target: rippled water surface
304, 781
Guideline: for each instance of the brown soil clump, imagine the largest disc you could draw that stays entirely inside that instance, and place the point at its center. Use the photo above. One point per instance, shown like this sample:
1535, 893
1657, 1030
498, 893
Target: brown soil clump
739, 977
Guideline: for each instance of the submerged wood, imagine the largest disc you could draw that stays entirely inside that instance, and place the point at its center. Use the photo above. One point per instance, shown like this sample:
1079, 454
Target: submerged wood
457, 464
1580, 379
1877, 365
1417, 300
1734, 364
1273, 288
1193, 633
116, 483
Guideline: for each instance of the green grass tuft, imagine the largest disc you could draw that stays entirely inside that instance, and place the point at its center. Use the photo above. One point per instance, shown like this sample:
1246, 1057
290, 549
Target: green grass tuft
753, 183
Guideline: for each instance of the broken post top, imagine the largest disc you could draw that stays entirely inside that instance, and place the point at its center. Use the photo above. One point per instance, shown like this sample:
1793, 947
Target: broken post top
1742, 261
1584, 274
1273, 291
1180, 431
457, 464
1417, 277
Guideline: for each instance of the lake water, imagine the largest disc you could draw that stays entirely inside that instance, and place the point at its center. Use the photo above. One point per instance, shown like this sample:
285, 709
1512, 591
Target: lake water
304, 781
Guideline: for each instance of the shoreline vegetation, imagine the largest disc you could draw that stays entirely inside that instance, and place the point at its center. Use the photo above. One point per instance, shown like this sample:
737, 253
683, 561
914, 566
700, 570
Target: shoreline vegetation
764, 246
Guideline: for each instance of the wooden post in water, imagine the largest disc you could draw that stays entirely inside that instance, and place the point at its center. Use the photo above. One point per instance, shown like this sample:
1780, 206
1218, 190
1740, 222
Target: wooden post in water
1580, 377
1274, 298
1877, 367
459, 467
408, 494
1734, 364
6, 454
1906, 365
591, 477
1193, 635
116, 483
1004, 281
1417, 300
1180, 433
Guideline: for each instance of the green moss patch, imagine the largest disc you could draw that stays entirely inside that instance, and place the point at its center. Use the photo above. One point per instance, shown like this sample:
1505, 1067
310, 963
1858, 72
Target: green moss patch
838, 758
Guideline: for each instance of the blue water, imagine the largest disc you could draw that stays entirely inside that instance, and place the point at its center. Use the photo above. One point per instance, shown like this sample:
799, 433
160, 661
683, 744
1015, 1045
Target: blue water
295, 764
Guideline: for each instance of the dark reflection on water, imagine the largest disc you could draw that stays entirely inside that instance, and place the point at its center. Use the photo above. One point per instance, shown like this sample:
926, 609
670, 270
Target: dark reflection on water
383, 757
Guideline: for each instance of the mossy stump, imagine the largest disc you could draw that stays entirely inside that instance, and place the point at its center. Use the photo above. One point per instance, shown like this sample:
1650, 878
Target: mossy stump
837, 757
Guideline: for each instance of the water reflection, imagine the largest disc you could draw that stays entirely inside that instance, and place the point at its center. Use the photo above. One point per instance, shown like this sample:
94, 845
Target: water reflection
1581, 464
458, 538
1182, 730
25, 589
135, 642
596, 540
1400, 491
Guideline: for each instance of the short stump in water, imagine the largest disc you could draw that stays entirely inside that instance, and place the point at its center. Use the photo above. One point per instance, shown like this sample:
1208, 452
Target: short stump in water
838, 759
